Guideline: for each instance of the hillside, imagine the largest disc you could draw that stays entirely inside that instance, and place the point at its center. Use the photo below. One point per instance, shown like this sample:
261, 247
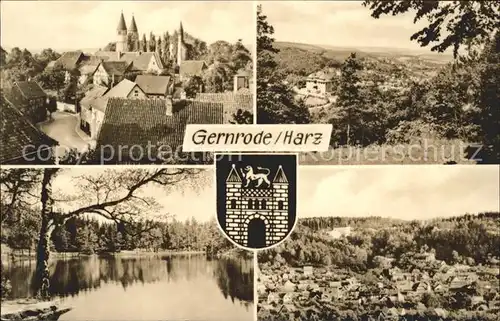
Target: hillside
297, 60
470, 236
341, 53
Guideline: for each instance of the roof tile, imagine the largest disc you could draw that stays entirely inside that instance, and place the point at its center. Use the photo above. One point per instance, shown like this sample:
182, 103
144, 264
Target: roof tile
144, 122
16, 133
153, 85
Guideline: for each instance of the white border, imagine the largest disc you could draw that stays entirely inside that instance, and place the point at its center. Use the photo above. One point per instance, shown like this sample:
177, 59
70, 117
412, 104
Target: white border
296, 200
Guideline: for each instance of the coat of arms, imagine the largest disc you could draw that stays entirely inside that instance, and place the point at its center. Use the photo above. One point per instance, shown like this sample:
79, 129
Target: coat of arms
256, 197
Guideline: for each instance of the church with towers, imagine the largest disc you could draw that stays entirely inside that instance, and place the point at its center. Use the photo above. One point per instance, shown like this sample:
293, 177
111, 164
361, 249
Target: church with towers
128, 41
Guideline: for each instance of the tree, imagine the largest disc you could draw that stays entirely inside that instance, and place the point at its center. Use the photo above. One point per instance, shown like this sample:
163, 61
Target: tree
52, 78
3, 57
21, 65
166, 49
463, 22
111, 46
487, 99
144, 43
194, 86
349, 101
276, 101
242, 117
152, 43
69, 93
46, 56
265, 49
240, 56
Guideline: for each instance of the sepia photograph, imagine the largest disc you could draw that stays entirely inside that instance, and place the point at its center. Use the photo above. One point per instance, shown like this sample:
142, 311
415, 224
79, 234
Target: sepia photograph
118, 244
388, 243
116, 82
405, 82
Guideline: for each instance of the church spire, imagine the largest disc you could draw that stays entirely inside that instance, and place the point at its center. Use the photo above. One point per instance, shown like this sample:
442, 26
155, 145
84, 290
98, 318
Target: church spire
133, 26
121, 24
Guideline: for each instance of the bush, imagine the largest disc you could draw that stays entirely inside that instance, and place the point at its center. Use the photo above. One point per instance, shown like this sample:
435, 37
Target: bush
5, 286
409, 131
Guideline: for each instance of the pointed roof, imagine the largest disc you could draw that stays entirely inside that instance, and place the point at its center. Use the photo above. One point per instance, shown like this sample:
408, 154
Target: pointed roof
181, 30
121, 25
233, 176
280, 176
133, 26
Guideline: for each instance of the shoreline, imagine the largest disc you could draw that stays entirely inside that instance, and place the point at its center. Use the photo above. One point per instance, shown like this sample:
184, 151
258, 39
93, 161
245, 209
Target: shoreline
23, 256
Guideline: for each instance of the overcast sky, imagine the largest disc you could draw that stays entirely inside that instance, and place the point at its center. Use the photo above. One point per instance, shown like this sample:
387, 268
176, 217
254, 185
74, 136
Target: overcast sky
339, 23
92, 24
184, 201
403, 192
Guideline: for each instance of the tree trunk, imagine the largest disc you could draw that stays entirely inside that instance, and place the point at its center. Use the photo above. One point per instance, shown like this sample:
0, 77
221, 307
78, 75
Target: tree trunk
348, 134
42, 281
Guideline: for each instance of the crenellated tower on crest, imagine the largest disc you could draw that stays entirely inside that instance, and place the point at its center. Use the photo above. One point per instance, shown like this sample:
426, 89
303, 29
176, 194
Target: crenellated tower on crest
256, 214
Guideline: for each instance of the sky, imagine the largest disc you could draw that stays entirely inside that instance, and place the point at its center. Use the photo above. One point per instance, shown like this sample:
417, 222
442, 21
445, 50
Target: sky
401, 192
339, 23
182, 202
92, 24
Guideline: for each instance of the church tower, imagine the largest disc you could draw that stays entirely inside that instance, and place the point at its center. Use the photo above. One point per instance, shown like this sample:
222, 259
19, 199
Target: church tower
133, 33
121, 40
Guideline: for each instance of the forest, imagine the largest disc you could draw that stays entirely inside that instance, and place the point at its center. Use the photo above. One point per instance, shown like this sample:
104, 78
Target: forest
457, 103
94, 236
467, 238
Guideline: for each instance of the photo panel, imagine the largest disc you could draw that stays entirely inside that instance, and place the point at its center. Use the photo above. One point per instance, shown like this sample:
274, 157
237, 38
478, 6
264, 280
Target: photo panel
401, 83
116, 82
387, 243
108, 243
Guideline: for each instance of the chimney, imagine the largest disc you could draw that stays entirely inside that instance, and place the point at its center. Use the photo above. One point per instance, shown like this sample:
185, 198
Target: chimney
169, 106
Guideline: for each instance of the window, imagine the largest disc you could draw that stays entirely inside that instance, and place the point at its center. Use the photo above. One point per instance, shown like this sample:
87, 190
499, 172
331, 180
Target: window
263, 205
233, 204
250, 204
136, 93
256, 204
280, 205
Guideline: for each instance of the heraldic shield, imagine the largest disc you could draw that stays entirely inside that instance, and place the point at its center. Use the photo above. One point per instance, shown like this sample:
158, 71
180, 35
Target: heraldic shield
256, 197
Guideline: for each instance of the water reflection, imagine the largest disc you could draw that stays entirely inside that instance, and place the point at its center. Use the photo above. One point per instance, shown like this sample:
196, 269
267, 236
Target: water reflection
228, 283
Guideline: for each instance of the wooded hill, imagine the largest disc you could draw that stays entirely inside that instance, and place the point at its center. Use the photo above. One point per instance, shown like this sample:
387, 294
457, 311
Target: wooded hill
467, 238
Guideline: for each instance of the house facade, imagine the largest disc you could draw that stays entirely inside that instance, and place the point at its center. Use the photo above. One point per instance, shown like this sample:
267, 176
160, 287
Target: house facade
242, 80
93, 105
29, 98
320, 83
110, 73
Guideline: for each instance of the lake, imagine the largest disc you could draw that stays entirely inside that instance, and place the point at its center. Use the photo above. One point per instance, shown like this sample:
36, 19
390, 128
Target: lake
173, 287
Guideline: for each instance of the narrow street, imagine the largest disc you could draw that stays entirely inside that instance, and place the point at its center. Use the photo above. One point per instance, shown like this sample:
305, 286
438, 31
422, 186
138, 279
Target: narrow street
62, 128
